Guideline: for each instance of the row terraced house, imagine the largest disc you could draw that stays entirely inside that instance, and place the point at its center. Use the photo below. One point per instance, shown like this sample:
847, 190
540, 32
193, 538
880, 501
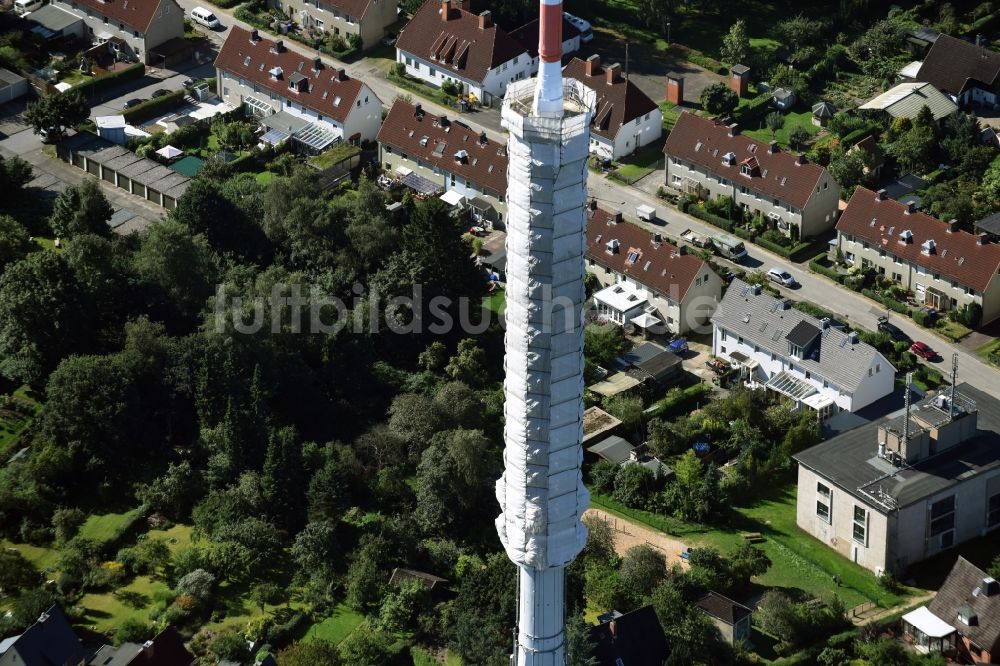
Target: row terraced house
943, 266
133, 27
294, 97
367, 18
709, 159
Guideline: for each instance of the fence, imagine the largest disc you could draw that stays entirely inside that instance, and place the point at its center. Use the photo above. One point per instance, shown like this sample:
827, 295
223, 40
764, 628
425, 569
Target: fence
620, 526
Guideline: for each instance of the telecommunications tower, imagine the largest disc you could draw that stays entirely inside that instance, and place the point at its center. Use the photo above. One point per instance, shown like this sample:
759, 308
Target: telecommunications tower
541, 492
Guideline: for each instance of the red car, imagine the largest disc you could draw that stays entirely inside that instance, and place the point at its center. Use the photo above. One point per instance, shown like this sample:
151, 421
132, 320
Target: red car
922, 350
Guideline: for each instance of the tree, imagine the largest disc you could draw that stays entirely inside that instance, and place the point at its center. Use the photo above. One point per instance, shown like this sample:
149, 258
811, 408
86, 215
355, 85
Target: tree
642, 569
373, 646
199, 584
204, 210
16, 572
848, 169
603, 343
282, 479
452, 479
736, 44
403, 606
82, 209
914, 150
990, 184
265, 593
132, 630
719, 99
629, 409
414, 419
798, 136
800, 32
314, 548
178, 265
230, 646
14, 243
689, 632
173, 493
468, 365
434, 357
484, 612
316, 652
57, 111
43, 317
634, 486
579, 647
774, 122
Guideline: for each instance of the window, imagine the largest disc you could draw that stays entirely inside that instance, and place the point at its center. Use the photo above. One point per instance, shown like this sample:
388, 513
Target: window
823, 502
860, 524
942, 516
993, 511
723, 334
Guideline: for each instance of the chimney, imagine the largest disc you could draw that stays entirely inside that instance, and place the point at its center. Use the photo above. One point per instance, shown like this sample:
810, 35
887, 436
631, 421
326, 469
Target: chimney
445, 8
852, 337
341, 74
592, 65
279, 47
990, 587
467, 5
983, 238
613, 628
613, 73
800, 159
682, 250
418, 111
825, 322
657, 237
633, 454
485, 20
952, 226
772, 147
317, 64
880, 195
756, 290
734, 129
911, 207
254, 36
675, 90
618, 217
739, 80
593, 204
482, 139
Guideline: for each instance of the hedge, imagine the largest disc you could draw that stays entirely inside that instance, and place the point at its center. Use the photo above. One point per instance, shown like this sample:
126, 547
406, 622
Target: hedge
817, 267
744, 233
852, 138
679, 400
90, 86
225, 4
791, 253
714, 220
889, 302
756, 107
153, 107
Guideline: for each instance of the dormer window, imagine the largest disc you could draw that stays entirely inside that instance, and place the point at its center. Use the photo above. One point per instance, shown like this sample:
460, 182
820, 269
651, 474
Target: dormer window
612, 246
927, 247
967, 616
729, 159
905, 236
745, 170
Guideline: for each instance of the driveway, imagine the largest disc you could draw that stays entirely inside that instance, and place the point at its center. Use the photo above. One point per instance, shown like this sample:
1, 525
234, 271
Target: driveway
143, 89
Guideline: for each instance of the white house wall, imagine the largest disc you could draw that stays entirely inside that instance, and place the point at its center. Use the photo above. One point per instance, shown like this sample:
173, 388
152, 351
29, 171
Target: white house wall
494, 84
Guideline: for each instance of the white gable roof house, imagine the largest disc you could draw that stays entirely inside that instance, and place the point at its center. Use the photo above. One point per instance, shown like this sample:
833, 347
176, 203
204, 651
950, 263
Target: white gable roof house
795, 355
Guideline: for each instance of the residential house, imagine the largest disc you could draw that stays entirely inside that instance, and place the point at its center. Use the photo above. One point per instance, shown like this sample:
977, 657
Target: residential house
401, 576
305, 99
731, 618
50, 640
625, 118
708, 159
133, 29
905, 100
446, 42
901, 489
963, 617
447, 153
366, 18
969, 73
54, 24
635, 638
871, 155
648, 281
800, 358
164, 649
943, 266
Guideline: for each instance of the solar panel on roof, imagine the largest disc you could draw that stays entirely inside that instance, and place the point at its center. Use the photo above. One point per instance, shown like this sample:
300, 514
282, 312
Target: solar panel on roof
776, 335
843, 342
763, 327
744, 291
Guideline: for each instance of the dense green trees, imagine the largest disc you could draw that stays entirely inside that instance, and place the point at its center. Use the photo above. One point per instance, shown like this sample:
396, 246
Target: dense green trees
81, 209
719, 99
57, 111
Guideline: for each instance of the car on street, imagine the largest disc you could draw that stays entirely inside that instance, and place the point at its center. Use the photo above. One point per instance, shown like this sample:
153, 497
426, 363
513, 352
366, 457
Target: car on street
781, 276
923, 350
891, 329
160, 92
135, 101
204, 17
47, 134
187, 83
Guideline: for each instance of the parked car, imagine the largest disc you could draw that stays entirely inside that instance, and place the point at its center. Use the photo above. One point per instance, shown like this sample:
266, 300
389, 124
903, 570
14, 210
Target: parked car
586, 32
135, 101
781, 276
678, 346
160, 92
389, 39
923, 350
894, 331
187, 83
48, 134
205, 18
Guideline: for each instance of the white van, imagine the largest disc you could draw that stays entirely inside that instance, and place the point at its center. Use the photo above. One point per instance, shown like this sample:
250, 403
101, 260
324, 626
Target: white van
205, 17
22, 7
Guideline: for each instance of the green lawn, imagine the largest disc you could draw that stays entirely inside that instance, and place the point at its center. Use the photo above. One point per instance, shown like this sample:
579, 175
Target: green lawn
43, 558
177, 537
670, 115
951, 329
991, 347
107, 611
794, 119
641, 163
109, 526
496, 302
336, 627
265, 177
47, 244
798, 560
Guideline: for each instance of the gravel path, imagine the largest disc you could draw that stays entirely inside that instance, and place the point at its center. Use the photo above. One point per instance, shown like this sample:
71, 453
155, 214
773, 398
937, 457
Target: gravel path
629, 534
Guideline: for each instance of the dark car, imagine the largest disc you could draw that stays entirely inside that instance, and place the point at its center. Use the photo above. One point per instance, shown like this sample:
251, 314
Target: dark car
160, 92
389, 39
187, 83
894, 331
923, 350
133, 102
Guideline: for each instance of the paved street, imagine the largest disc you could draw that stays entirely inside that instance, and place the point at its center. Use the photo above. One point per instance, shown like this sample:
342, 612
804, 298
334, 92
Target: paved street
153, 80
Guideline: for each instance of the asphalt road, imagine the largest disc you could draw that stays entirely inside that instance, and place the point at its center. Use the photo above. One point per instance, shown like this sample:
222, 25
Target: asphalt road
154, 79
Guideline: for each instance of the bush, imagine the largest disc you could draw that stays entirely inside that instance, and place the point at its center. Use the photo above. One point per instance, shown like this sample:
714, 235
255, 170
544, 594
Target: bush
714, 220
888, 301
970, 315
153, 107
132, 630
754, 109
817, 267
91, 86
679, 400
921, 317
744, 233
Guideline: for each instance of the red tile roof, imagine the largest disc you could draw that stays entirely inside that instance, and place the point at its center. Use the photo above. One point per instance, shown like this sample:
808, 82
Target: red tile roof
136, 14
254, 61
426, 138
952, 65
704, 142
527, 35
618, 103
457, 46
662, 268
957, 255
